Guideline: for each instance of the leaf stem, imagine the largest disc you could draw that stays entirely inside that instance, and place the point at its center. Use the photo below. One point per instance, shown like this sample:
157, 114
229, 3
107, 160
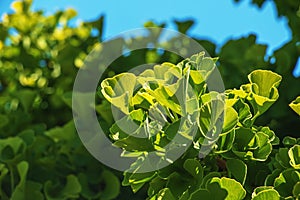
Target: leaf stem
12, 178
254, 118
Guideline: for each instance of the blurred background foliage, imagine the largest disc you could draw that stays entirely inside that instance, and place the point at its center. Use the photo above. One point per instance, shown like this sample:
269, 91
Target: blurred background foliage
41, 155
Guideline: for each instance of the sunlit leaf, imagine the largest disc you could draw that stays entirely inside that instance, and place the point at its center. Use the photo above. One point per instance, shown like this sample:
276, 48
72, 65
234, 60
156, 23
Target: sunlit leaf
295, 105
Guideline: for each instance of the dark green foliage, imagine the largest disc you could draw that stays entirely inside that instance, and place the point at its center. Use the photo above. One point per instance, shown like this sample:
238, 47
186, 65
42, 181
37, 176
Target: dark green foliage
42, 157
40, 153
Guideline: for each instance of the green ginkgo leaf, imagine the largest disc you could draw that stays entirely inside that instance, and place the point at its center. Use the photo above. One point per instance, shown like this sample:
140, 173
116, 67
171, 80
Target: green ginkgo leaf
198, 77
294, 154
234, 189
132, 143
162, 97
266, 82
253, 144
19, 192
285, 182
265, 193
217, 194
26, 97
112, 185
230, 119
177, 184
245, 138
263, 89
194, 168
295, 105
289, 141
69, 190
282, 158
156, 185
119, 90
26, 189
225, 142
296, 190
238, 169
162, 74
165, 194
211, 113
11, 148
244, 112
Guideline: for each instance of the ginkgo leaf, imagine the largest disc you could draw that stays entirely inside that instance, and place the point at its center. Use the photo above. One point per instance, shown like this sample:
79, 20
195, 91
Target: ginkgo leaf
263, 89
295, 105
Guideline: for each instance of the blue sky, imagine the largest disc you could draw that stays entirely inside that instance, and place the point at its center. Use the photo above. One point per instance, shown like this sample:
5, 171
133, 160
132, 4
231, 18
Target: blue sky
215, 20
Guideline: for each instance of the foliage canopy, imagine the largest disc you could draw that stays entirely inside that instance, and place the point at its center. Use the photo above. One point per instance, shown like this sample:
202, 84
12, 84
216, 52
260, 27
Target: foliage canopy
41, 157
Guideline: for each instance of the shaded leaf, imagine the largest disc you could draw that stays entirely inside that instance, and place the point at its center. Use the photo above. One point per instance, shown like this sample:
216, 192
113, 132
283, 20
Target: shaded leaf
238, 169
